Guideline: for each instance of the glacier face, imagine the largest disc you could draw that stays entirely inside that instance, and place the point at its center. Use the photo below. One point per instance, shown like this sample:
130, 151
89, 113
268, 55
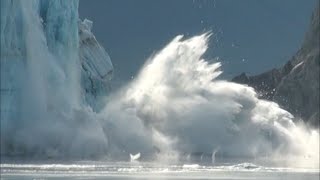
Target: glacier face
97, 67
47, 67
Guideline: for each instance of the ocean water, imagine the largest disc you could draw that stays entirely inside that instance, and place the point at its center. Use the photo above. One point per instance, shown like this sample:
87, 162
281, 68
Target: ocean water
146, 170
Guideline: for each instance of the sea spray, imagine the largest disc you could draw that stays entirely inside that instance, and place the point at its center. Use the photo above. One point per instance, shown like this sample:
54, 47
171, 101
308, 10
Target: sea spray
178, 97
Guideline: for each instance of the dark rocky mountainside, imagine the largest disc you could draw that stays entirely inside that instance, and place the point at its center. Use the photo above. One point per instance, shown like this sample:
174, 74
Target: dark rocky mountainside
295, 86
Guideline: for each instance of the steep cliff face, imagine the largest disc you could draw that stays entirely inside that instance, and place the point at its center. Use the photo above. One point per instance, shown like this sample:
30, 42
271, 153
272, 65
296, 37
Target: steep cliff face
72, 49
295, 86
97, 69
52, 70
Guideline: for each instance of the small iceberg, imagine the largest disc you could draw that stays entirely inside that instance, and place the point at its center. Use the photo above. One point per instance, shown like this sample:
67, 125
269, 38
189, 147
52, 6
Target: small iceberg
246, 166
191, 166
135, 157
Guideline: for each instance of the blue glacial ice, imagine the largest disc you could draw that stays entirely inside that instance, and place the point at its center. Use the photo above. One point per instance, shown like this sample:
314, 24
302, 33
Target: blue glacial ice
52, 68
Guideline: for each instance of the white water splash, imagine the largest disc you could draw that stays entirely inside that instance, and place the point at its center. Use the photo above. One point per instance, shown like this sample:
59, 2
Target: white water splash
134, 157
176, 105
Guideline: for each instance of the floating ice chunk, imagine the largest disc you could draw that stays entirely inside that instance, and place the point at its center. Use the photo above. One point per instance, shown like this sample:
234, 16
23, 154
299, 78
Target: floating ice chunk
135, 157
191, 166
245, 166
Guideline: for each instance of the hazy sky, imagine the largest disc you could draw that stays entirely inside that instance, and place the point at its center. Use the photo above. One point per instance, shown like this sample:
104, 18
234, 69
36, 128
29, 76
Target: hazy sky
250, 35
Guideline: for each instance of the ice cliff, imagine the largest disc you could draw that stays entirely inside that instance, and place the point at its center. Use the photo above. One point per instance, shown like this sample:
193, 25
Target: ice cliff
52, 68
97, 67
295, 86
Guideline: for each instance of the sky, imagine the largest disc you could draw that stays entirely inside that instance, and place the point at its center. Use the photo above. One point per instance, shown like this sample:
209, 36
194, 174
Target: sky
249, 36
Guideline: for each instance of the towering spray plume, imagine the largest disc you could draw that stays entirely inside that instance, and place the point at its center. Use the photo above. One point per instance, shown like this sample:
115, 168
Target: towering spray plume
177, 104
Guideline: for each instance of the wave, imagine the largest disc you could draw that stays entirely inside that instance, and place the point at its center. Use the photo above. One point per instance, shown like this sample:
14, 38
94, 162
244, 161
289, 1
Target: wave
125, 167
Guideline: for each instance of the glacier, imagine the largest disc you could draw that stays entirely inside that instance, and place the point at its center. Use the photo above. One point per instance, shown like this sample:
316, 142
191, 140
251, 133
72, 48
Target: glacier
52, 70
56, 100
97, 69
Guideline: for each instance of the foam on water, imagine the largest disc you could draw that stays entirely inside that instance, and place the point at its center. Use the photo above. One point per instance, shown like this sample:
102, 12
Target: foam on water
125, 167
